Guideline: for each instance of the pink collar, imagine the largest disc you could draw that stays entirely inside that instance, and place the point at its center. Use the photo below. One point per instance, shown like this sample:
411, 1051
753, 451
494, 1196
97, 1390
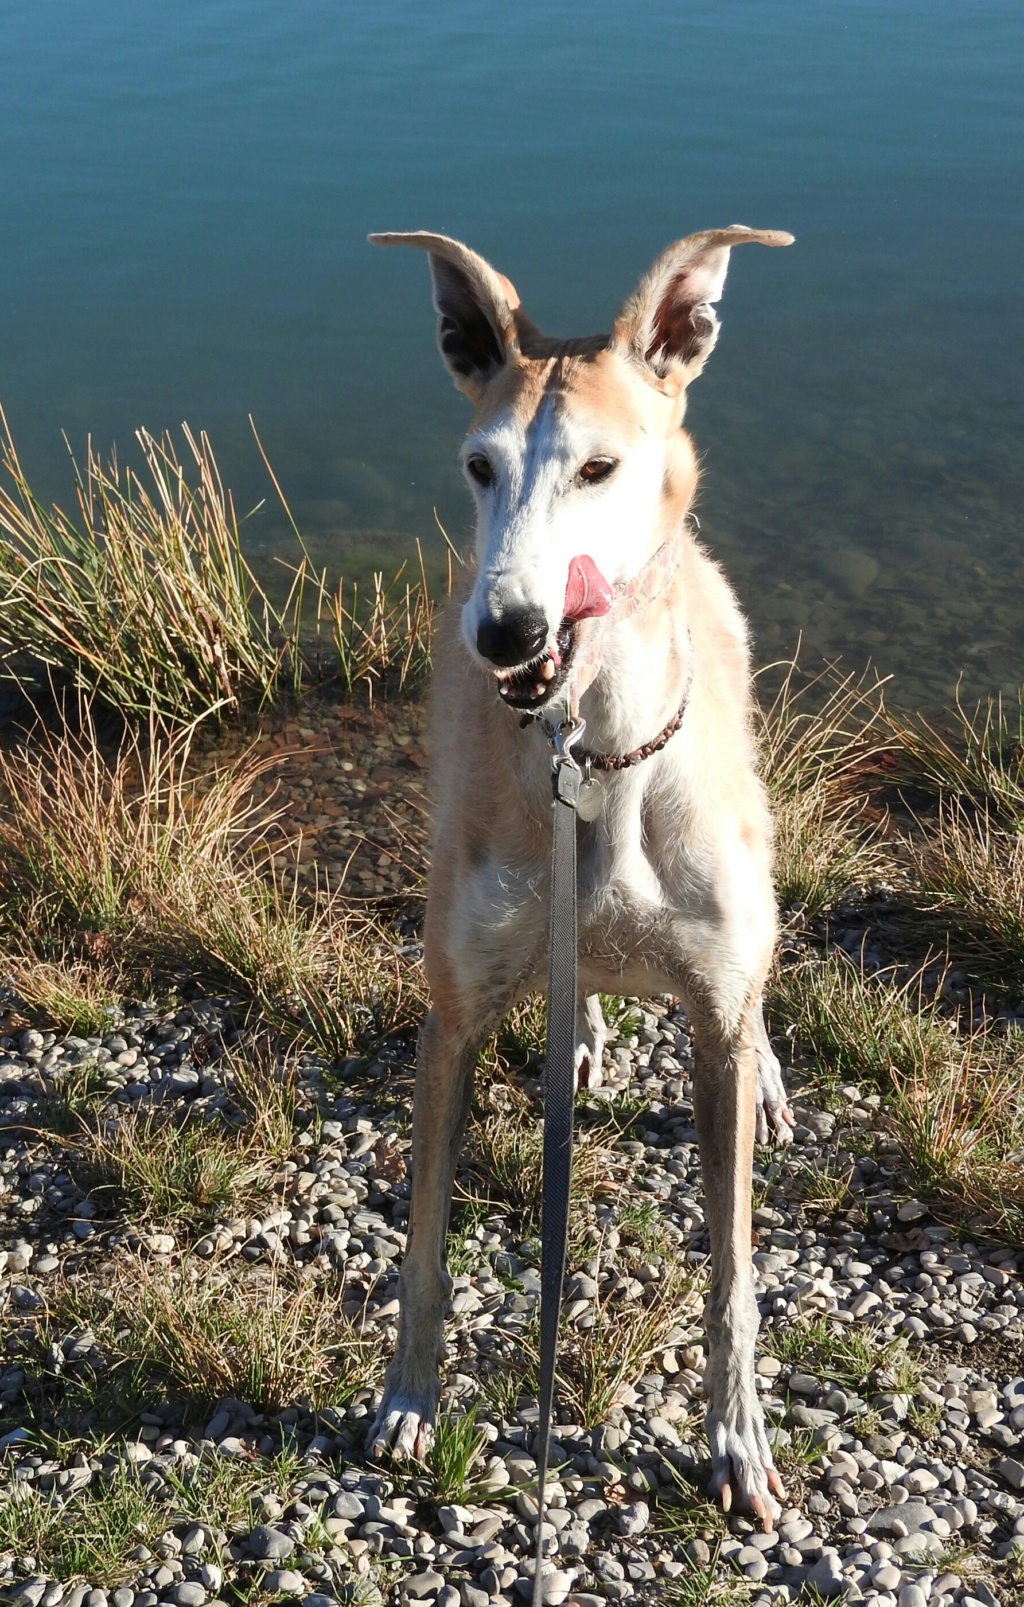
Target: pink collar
627, 599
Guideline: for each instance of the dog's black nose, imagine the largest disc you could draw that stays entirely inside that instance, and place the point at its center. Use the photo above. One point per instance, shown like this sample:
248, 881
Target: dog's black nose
516, 637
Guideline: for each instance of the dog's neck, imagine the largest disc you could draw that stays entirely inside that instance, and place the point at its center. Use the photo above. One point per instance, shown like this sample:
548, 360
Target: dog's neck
644, 588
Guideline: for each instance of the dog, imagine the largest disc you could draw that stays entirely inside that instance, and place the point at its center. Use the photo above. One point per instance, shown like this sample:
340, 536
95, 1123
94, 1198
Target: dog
588, 583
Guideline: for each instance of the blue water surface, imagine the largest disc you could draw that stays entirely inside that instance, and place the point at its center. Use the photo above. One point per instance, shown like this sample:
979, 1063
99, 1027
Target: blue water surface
186, 192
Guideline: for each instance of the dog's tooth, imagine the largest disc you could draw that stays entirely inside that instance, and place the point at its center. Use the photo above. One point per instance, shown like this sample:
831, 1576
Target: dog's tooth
547, 669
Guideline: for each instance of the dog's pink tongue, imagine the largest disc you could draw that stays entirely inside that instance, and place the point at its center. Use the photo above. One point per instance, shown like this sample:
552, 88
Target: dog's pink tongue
587, 594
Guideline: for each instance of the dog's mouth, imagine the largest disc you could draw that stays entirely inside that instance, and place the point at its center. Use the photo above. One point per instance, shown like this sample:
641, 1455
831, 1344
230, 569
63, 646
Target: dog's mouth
536, 683
532, 685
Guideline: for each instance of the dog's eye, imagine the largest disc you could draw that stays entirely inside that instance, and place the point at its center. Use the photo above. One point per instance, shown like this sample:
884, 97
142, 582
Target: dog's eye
479, 469
595, 470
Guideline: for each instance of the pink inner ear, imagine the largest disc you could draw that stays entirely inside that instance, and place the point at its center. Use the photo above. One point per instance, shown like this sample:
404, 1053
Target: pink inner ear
587, 594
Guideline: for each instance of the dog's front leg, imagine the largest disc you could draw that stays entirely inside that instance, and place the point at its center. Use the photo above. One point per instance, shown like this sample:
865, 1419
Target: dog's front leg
724, 1106
444, 1082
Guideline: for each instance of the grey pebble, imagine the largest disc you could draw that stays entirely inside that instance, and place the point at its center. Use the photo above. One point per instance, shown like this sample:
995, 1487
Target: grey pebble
825, 1576
905, 1519
283, 1580
188, 1594
270, 1544
29, 1594
422, 1585
912, 1596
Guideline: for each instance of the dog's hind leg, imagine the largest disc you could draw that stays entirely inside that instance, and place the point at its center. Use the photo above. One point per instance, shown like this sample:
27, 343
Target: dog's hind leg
775, 1119
444, 1082
724, 1088
591, 1033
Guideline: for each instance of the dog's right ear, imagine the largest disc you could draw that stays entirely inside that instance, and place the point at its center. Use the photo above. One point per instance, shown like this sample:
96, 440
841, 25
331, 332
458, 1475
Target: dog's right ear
475, 305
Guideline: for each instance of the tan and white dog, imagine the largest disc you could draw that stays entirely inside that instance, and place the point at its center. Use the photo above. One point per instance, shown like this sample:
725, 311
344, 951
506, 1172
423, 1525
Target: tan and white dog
586, 568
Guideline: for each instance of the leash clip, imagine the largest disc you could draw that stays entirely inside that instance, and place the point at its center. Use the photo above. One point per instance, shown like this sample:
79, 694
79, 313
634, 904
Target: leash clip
567, 776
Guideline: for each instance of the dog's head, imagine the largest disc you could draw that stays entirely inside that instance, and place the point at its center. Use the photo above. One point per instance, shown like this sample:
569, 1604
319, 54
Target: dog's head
575, 446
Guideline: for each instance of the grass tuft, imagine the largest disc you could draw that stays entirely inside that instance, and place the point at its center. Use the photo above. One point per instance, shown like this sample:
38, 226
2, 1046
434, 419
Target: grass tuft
850, 1357
79, 996
954, 1101
454, 1460
599, 1364
817, 740
183, 1175
506, 1143
145, 596
90, 1536
596, 1365
270, 1341
148, 858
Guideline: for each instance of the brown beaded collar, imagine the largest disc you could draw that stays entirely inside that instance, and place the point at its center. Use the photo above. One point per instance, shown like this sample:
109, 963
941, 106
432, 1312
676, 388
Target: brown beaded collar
623, 761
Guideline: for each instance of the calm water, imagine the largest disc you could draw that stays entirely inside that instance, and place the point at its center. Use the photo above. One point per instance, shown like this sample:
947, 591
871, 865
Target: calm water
186, 191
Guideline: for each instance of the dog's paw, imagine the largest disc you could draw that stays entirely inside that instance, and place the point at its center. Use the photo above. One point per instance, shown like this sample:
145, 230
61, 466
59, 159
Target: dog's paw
591, 1034
403, 1428
743, 1474
775, 1119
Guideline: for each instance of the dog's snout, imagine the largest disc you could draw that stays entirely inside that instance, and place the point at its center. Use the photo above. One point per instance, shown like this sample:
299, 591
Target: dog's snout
515, 637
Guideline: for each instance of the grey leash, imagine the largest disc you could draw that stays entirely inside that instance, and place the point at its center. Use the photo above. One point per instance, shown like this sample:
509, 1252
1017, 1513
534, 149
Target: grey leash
559, 1061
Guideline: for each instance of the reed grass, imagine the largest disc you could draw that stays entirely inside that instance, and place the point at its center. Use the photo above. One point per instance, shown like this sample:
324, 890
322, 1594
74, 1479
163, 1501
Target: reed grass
387, 636
969, 872
143, 595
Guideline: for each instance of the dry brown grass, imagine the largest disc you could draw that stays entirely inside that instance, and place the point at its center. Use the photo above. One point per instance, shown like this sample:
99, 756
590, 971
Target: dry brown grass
954, 1100
268, 1339
970, 875
819, 738
145, 858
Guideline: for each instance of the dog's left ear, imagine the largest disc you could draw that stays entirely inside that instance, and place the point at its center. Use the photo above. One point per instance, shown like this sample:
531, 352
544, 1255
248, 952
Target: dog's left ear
476, 309
668, 324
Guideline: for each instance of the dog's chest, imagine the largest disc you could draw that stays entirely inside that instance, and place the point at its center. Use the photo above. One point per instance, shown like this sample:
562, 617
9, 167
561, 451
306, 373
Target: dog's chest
640, 885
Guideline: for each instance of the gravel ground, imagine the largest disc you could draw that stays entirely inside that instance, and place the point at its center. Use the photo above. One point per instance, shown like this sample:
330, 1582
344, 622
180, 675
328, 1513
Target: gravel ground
354, 784
892, 1351
901, 1495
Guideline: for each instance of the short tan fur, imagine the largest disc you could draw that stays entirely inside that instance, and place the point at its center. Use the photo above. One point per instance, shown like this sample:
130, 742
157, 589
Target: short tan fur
576, 448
